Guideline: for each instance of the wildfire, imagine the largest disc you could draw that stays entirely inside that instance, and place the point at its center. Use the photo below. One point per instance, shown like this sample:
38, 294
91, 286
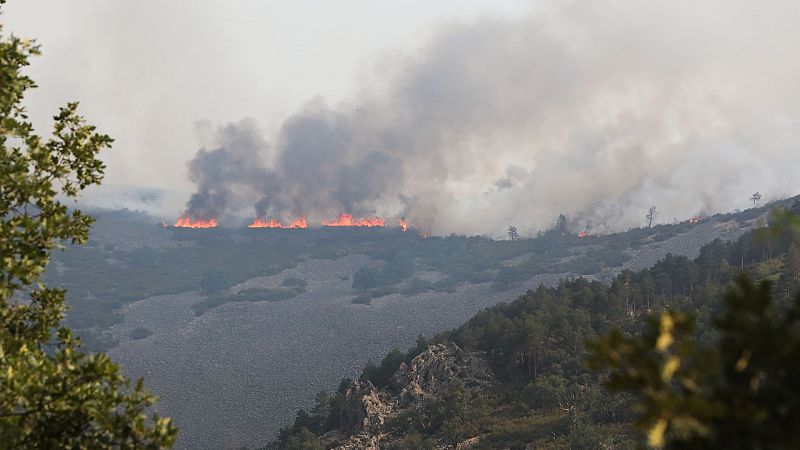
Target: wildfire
187, 222
299, 223
272, 223
582, 234
696, 219
347, 220
403, 224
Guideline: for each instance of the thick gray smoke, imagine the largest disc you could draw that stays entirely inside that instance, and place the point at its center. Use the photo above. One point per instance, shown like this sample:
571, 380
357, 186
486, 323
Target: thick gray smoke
596, 109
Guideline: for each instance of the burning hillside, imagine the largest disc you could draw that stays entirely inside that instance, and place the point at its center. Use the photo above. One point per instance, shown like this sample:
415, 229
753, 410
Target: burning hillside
344, 220
272, 223
347, 220
188, 222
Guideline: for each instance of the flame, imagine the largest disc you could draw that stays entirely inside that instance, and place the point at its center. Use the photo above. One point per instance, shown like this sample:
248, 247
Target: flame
696, 219
582, 234
272, 223
298, 223
403, 224
347, 220
258, 223
187, 222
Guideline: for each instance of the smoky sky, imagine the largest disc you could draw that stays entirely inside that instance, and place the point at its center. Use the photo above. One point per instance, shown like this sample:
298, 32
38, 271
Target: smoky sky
596, 109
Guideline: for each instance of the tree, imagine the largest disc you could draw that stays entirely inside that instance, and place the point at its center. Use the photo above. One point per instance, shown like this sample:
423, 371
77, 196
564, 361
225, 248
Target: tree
51, 394
755, 198
512, 233
561, 224
304, 440
791, 278
652, 213
741, 392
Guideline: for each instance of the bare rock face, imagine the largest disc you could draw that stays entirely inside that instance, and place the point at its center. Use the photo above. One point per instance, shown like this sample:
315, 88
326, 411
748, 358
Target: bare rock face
365, 408
437, 369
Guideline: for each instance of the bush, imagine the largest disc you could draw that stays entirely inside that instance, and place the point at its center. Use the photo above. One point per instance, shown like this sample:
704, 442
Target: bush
213, 281
416, 286
140, 333
414, 442
381, 375
366, 278
361, 299
247, 295
294, 282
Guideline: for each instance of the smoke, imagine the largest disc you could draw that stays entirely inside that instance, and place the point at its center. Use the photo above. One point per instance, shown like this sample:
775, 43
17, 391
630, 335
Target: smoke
228, 177
595, 109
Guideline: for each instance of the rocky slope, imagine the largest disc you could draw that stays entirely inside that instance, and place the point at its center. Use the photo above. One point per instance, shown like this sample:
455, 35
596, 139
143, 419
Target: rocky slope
367, 409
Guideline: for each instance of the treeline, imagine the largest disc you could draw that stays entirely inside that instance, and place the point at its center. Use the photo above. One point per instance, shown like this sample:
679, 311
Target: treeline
535, 345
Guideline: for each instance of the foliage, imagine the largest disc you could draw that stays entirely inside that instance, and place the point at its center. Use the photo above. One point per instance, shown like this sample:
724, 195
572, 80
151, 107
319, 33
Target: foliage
294, 282
380, 375
51, 394
452, 413
213, 281
140, 333
173, 260
741, 391
250, 295
304, 440
545, 397
739, 388
396, 269
415, 441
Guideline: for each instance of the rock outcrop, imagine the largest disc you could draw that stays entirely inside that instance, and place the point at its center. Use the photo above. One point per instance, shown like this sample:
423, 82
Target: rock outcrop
437, 369
366, 408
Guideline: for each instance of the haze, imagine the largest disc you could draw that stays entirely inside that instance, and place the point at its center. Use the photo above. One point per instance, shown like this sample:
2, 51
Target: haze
464, 117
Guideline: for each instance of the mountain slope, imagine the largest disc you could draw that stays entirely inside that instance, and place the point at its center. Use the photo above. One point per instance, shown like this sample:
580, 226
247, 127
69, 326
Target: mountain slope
280, 324
537, 395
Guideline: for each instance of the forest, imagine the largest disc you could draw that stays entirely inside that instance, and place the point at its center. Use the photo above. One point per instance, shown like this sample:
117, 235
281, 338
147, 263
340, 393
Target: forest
546, 350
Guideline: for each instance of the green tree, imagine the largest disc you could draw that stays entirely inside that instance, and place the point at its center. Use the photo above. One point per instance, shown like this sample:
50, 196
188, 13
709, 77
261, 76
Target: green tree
51, 394
740, 392
792, 267
304, 440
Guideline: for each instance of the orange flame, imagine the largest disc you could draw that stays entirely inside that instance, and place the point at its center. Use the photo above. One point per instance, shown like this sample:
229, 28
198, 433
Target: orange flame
187, 222
272, 223
582, 234
298, 223
347, 220
403, 224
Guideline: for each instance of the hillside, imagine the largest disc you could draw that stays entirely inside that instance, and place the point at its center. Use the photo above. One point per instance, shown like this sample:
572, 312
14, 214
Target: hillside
513, 376
222, 322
